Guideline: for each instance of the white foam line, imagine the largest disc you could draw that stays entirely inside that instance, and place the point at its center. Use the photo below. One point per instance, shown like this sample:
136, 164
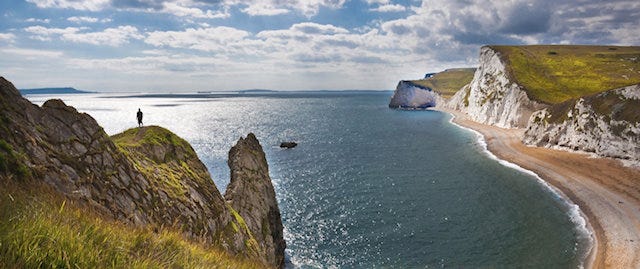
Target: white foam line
575, 214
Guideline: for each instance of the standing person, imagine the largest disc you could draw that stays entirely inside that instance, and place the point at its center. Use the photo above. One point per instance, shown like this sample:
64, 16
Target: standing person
139, 115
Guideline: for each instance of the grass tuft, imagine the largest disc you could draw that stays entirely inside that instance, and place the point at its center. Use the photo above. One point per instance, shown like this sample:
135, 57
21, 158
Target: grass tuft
41, 229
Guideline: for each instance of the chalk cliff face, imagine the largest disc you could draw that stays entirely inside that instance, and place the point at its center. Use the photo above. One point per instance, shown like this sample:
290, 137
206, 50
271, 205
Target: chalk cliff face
607, 124
412, 96
148, 177
492, 97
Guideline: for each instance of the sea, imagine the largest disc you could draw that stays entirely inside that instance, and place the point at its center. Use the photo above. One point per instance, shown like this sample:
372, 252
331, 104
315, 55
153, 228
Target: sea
368, 186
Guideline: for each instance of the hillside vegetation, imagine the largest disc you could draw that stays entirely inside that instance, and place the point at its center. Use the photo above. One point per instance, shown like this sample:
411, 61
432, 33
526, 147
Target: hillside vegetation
448, 82
556, 73
165, 159
40, 228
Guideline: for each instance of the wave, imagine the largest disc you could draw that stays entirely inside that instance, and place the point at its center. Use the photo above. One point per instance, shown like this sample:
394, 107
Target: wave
576, 215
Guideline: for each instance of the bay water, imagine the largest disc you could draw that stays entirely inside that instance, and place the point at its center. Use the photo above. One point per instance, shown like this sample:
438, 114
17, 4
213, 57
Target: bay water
367, 186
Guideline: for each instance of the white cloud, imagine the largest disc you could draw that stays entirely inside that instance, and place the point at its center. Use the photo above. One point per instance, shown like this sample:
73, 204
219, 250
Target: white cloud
7, 38
379, 2
315, 28
438, 34
198, 8
205, 39
154, 52
91, 5
109, 37
264, 10
389, 8
308, 8
32, 53
303, 44
44, 34
83, 19
193, 12
38, 20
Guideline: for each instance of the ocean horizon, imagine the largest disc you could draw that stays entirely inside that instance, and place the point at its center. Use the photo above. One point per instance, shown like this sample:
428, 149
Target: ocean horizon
369, 186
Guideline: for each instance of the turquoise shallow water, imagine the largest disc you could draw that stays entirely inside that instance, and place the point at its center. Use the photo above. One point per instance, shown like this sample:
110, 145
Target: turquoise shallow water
369, 186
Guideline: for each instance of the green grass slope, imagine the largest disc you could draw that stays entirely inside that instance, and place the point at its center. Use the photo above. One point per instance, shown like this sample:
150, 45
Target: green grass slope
556, 73
163, 157
41, 229
448, 82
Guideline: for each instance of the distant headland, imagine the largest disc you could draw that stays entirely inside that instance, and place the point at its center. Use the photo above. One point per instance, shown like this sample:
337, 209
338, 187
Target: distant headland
63, 90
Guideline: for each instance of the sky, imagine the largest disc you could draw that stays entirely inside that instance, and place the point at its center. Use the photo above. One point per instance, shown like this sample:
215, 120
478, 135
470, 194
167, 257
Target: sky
212, 45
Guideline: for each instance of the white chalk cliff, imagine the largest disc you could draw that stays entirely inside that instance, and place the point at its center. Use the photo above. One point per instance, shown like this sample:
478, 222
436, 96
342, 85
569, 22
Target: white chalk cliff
409, 95
492, 97
607, 124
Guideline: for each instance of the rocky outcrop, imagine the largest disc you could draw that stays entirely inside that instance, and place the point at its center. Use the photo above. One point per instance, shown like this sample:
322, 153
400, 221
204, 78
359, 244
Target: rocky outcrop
149, 177
183, 193
251, 194
607, 124
71, 152
493, 97
409, 95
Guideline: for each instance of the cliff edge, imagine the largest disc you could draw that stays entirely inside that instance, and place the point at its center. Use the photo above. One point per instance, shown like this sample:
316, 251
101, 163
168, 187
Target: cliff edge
492, 97
148, 178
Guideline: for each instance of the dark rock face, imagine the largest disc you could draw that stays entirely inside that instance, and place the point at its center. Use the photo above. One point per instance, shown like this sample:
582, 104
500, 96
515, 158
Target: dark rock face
155, 181
71, 152
251, 193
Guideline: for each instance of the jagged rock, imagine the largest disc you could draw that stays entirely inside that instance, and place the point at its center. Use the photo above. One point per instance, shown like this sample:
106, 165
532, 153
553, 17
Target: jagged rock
409, 95
251, 194
607, 124
60, 146
150, 177
173, 170
492, 97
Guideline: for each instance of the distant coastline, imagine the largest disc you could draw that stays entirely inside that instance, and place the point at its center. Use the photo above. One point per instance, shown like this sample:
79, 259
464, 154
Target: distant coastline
62, 90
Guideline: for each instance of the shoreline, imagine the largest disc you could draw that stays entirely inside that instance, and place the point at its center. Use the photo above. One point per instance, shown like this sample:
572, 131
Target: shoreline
603, 189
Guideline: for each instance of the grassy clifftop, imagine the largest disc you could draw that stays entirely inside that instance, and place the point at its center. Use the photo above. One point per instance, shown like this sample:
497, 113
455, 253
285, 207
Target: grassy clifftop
167, 160
448, 82
556, 73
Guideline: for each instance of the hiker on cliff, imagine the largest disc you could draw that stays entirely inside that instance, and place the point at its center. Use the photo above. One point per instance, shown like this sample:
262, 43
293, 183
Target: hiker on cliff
139, 115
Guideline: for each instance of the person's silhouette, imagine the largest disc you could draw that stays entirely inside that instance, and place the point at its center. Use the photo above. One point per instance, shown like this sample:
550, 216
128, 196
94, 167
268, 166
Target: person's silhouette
139, 115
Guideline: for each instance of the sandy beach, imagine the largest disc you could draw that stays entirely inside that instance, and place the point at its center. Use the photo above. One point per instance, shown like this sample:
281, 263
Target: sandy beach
607, 192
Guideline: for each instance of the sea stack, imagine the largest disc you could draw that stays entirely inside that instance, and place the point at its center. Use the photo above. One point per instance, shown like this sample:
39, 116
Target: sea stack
251, 194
